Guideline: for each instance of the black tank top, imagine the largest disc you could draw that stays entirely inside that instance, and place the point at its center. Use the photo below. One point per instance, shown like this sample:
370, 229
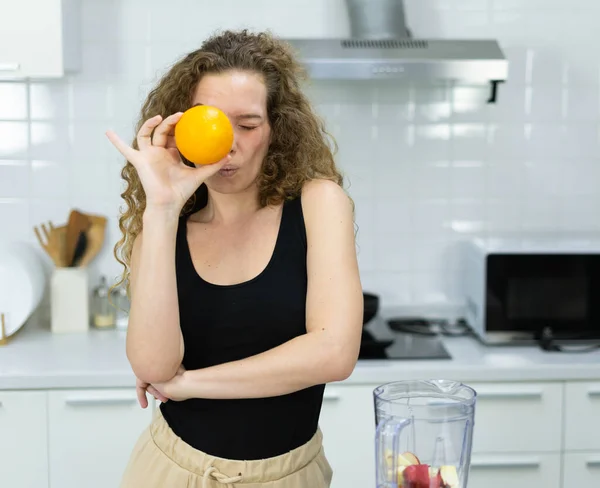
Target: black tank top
222, 323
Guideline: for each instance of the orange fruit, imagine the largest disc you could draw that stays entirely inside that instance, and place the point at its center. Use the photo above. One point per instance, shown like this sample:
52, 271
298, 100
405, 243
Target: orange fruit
204, 135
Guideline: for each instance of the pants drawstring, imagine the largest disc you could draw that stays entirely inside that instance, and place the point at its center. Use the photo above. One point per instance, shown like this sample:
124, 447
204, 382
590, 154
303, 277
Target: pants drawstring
220, 477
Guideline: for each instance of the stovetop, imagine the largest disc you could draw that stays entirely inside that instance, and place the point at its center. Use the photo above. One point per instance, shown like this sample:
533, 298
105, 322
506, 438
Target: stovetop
381, 342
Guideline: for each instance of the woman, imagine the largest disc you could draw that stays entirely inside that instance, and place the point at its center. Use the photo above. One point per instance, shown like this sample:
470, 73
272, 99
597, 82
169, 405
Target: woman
245, 291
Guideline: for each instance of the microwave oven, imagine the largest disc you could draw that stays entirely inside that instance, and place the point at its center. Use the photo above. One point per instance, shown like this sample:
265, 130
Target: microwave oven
519, 290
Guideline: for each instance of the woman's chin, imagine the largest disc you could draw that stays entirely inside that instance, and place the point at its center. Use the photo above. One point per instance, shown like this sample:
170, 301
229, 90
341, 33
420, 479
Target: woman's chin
228, 184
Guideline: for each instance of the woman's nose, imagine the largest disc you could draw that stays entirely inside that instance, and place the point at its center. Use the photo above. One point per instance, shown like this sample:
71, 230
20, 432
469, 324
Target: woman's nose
234, 144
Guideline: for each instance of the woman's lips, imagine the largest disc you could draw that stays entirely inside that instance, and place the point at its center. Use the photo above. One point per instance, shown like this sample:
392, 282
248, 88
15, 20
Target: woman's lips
227, 171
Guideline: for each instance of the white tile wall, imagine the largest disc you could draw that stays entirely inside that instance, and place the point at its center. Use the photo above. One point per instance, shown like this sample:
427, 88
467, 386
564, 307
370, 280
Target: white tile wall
425, 164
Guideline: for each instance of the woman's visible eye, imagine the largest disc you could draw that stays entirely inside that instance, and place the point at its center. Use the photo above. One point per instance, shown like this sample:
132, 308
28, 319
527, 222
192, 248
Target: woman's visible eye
246, 127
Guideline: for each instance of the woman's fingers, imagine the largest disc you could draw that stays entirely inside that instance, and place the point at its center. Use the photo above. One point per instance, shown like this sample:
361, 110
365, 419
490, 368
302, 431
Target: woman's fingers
141, 387
156, 394
165, 129
127, 151
144, 135
144, 138
141, 394
171, 143
202, 172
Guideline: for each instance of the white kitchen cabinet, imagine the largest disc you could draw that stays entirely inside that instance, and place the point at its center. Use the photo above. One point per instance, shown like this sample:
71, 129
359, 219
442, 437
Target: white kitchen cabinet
518, 417
92, 434
582, 401
582, 469
84, 437
516, 471
39, 38
23, 439
348, 425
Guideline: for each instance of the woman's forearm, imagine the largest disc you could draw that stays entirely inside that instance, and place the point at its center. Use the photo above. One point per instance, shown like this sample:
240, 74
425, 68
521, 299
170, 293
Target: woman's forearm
307, 360
154, 340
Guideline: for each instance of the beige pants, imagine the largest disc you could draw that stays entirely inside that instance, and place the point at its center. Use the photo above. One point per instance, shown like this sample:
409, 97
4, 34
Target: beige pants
161, 459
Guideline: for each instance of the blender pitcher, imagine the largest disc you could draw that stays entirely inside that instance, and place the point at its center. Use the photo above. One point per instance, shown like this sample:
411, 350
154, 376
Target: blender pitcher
424, 432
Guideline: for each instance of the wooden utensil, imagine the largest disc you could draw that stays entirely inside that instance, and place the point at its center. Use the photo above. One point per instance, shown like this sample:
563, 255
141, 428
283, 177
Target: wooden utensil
78, 222
61, 236
79, 248
53, 242
95, 239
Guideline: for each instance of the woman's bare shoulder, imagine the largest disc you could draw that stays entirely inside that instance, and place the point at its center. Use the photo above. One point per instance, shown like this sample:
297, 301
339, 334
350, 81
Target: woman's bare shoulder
322, 195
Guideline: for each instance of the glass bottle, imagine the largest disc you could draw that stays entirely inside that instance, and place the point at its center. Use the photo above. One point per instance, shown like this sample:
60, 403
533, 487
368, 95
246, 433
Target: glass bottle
120, 302
103, 313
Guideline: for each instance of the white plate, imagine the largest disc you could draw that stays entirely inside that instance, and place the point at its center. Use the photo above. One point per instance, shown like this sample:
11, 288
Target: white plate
22, 283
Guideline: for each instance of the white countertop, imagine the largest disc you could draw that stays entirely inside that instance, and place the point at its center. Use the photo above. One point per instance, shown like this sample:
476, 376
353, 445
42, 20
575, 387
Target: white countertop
38, 359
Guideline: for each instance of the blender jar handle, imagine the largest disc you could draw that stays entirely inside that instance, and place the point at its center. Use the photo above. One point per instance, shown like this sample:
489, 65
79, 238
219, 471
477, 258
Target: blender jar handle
387, 443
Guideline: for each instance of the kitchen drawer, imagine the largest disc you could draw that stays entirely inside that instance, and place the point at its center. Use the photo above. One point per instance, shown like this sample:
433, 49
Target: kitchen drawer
23, 439
348, 425
516, 471
581, 469
91, 435
582, 419
518, 417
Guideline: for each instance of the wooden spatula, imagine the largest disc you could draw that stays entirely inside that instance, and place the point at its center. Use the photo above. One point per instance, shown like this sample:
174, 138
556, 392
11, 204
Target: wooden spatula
78, 222
80, 248
95, 239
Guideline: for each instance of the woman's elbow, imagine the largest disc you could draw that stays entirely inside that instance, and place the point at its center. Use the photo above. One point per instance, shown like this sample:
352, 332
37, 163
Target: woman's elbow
153, 371
154, 375
153, 366
342, 363
345, 369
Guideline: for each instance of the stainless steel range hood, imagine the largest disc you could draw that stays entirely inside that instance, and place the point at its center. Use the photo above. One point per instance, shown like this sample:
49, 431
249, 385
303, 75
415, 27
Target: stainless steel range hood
382, 47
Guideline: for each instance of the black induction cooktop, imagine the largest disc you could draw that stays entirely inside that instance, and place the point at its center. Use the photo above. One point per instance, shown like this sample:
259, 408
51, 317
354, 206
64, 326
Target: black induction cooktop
381, 342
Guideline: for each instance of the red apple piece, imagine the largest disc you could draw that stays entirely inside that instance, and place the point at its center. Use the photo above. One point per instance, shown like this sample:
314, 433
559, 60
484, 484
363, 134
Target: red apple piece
416, 476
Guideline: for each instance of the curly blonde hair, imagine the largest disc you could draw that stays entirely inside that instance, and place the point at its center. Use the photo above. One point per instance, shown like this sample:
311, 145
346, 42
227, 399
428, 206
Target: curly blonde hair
301, 149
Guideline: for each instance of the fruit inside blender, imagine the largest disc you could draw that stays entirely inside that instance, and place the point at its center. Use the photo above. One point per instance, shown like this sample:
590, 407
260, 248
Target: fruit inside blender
411, 473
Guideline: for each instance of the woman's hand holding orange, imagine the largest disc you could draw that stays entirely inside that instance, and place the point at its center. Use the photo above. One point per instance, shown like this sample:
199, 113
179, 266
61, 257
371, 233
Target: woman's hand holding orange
167, 181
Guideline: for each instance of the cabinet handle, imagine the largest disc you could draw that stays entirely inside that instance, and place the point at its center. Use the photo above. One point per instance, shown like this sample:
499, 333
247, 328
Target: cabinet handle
331, 396
507, 394
508, 462
87, 401
593, 462
594, 392
9, 66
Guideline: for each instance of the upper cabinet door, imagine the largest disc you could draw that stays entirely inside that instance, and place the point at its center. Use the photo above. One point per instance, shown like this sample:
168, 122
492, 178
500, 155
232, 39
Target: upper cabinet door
23, 439
39, 38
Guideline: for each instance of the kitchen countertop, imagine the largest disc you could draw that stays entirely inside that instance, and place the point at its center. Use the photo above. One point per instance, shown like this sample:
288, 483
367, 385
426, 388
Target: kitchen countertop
38, 359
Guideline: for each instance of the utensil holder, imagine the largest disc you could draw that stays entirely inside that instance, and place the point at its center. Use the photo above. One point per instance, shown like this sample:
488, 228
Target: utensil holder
69, 300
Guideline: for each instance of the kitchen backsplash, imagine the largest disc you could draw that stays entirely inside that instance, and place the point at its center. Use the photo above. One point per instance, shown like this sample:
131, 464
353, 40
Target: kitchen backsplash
426, 165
